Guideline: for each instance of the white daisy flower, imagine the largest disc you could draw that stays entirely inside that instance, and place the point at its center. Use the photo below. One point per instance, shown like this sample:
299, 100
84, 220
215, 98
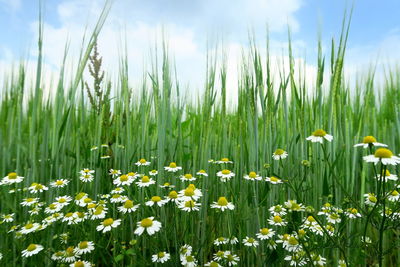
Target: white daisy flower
27, 202
108, 224
29, 228
253, 176
369, 141
37, 188
202, 173
117, 198
383, 155
213, 264
319, 135
153, 173
156, 200
128, 207
70, 255
296, 260
277, 220
342, 263
265, 233
161, 257
187, 178
188, 261
219, 255
79, 198
12, 178
222, 204
117, 190
167, 185
86, 178
370, 199
291, 244
86, 171
273, 180
149, 225
277, 210
292, 205
31, 250
387, 176
318, 260
225, 175
223, 160
250, 242
59, 183
279, 154
231, 259
394, 196
172, 196
99, 213
80, 264
221, 241
142, 162
133, 175
189, 205
190, 193
185, 250
114, 173
352, 213
123, 180
84, 247
334, 218
8, 217
233, 240
172, 167
145, 181
63, 201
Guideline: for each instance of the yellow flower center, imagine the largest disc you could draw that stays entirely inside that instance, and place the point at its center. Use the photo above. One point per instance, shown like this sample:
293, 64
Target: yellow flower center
29, 226
156, 199
189, 258
83, 245
383, 153
369, 139
213, 264
91, 205
80, 196
161, 254
69, 251
354, 211
167, 184
98, 210
202, 171
128, 204
131, 174
145, 179
12, 175
59, 182
108, 222
273, 179
87, 200
220, 254
188, 176
277, 219
222, 201
39, 187
395, 193
146, 222
293, 241
173, 194
301, 232
225, 159
189, 192
123, 178
30, 199
31, 247
319, 133
69, 214
250, 240
372, 199
192, 186
79, 264
172, 165
189, 204
279, 152
252, 175
225, 172
264, 231
142, 161
334, 216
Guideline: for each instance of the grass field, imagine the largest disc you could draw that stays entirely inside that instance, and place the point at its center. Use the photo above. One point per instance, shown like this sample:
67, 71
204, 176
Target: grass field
99, 174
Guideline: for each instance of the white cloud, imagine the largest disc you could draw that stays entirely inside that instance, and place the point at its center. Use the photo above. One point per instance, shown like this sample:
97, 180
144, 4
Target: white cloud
10, 5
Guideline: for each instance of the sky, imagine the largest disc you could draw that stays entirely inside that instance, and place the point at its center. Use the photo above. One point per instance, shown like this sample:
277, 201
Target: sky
194, 27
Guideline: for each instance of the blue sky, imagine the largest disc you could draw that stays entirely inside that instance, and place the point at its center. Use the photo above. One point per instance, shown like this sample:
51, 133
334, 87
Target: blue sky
190, 25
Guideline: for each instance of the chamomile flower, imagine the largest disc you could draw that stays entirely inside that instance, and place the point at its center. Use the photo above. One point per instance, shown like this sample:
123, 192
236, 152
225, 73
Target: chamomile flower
291, 244
318, 260
334, 218
387, 176
212, 264
352, 213
117, 198
279, 154
145, 181
117, 190
231, 259
189, 206
369, 141
319, 135
187, 178
167, 185
172, 196
273, 180
277, 210
202, 173
86, 178
114, 173
108, 224
225, 175
224, 160
292, 205
59, 183
233, 240
394, 196
161, 257
153, 172
86, 171
30, 201
143, 162
31, 250
12, 178
250, 242
37, 188
172, 167
84, 247
277, 220
63, 201
342, 263
7, 217
80, 264
99, 212
221, 241
296, 259
149, 225
156, 200
29, 228
128, 207
370, 199
383, 155
133, 175
265, 233
252, 176
70, 255
190, 193
123, 180
185, 250
222, 204
219, 255
188, 261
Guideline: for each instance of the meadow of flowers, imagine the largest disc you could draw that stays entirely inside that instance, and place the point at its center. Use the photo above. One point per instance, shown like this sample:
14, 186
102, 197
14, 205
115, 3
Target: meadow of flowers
104, 174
